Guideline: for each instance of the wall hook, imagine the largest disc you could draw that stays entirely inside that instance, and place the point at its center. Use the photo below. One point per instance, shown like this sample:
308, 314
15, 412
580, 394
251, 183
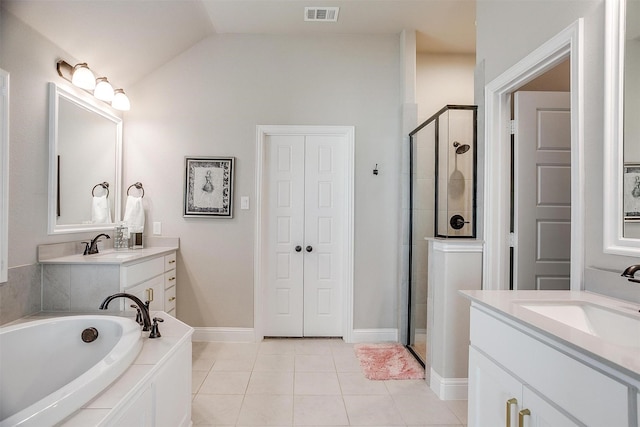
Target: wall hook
375, 170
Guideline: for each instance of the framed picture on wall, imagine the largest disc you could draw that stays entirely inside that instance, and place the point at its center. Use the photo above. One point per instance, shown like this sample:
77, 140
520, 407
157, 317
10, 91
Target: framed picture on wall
631, 192
208, 190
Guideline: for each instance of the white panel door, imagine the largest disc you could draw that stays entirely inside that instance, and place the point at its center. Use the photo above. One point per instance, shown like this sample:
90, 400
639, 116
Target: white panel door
304, 235
542, 190
285, 232
323, 230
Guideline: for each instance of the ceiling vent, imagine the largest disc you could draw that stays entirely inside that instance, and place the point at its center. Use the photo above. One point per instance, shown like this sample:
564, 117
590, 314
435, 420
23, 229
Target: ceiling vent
321, 14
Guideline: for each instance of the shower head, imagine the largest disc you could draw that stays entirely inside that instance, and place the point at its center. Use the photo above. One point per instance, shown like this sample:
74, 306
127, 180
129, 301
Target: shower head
461, 148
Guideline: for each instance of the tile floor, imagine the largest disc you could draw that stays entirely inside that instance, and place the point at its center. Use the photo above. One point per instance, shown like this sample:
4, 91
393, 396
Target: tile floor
306, 382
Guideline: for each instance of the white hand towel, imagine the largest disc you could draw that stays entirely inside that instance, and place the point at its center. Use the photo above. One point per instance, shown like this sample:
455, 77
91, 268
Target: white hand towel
100, 210
134, 214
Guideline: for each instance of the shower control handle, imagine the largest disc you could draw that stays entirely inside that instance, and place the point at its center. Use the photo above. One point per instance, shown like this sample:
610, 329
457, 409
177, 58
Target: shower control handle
298, 248
457, 222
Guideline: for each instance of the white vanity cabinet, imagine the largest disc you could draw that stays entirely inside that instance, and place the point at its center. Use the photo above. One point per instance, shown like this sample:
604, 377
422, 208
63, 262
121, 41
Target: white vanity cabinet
516, 371
151, 280
170, 280
497, 396
78, 283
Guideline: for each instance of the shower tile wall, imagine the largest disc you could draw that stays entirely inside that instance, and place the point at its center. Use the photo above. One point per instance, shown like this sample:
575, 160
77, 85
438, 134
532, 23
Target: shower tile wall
455, 190
21, 295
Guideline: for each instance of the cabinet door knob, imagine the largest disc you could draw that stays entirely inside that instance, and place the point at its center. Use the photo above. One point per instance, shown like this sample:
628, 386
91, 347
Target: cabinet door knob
298, 248
510, 402
309, 248
172, 299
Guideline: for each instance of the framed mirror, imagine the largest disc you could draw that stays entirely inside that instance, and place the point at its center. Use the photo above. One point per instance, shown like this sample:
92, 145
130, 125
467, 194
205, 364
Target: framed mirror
621, 234
85, 163
4, 175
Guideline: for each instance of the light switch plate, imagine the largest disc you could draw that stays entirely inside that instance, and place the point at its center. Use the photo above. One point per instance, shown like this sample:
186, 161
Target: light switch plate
157, 228
244, 202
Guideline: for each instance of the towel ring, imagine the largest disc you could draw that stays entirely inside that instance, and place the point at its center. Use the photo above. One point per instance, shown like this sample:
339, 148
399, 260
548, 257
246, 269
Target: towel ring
138, 185
104, 185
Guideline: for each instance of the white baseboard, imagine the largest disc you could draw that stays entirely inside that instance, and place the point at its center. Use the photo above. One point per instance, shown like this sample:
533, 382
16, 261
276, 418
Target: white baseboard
449, 388
375, 335
207, 334
224, 334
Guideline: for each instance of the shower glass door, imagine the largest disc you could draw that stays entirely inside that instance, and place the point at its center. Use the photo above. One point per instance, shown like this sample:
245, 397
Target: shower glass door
422, 213
442, 203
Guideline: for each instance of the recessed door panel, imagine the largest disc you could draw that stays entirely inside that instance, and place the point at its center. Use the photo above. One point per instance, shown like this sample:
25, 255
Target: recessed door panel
284, 230
284, 194
325, 230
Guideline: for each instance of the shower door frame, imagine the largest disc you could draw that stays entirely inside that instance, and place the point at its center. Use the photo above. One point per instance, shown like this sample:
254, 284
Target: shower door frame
434, 118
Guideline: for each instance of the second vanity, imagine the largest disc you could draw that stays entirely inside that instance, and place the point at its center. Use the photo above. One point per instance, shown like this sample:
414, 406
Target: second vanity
555, 358
75, 282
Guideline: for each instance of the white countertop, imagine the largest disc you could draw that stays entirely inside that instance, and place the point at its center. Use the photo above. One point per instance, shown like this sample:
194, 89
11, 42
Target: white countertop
623, 358
112, 256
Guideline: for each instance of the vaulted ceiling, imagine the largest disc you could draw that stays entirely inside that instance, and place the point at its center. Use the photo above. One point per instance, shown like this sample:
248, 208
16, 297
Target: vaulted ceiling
127, 39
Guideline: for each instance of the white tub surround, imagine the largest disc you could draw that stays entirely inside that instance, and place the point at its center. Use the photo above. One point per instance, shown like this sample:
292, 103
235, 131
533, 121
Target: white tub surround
74, 282
454, 264
47, 371
154, 391
561, 358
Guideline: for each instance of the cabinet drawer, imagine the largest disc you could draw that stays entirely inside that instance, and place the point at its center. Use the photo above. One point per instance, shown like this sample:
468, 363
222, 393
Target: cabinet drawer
170, 261
136, 273
169, 279
572, 385
170, 299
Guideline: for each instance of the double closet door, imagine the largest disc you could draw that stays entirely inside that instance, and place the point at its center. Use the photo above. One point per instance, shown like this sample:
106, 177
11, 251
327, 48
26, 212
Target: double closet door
304, 236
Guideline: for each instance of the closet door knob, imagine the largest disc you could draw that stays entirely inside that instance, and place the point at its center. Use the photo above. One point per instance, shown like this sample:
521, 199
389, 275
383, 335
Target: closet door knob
309, 248
298, 248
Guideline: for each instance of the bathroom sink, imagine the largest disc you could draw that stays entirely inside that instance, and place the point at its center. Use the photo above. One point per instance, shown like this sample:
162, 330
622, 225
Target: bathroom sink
616, 327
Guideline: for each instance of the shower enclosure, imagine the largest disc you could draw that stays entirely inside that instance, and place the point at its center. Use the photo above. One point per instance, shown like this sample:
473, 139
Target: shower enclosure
442, 202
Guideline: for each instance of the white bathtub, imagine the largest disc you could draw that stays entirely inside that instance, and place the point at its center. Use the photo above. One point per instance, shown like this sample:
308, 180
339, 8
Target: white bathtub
47, 372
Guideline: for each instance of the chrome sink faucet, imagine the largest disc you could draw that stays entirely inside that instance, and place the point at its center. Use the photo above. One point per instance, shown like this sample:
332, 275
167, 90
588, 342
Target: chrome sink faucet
144, 308
630, 272
92, 248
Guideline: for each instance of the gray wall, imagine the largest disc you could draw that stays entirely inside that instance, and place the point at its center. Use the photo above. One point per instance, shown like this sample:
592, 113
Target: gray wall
30, 59
208, 101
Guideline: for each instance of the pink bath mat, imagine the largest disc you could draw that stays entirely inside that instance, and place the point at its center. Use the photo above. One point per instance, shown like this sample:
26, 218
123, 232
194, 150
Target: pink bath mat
388, 361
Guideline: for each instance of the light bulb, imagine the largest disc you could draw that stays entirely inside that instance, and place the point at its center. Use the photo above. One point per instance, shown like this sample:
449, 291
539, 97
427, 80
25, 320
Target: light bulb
83, 77
103, 90
120, 101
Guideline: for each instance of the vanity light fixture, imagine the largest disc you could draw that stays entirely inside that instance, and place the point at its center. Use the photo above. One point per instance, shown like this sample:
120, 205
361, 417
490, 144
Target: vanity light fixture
120, 101
104, 90
81, 76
